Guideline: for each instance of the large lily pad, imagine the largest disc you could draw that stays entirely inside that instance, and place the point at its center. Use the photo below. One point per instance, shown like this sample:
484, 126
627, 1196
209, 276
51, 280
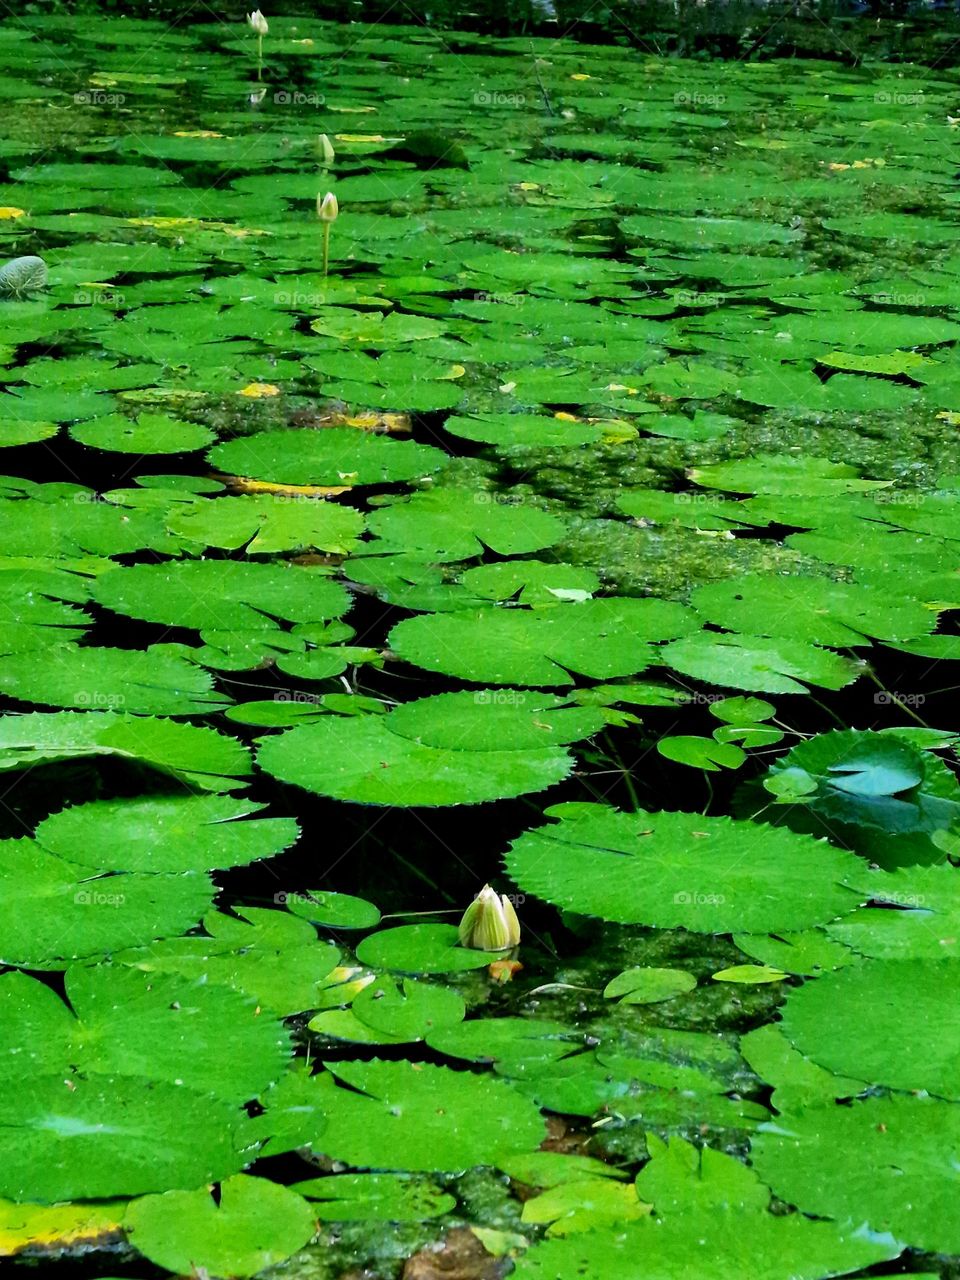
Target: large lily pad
55, 911
900, 1020
165, 833
338, 456
598, 638
457, 749
419, 1117
681, 870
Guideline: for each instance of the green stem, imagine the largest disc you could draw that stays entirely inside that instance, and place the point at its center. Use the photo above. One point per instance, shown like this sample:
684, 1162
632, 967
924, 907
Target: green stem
259, 57
326, 247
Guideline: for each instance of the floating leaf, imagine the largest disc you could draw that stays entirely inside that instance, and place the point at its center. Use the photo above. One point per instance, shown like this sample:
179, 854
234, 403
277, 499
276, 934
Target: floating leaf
55, 911
680, 870
150, 433
222, 596
598, 638
165, 833
419, 1117
267, 523
338, 456
421, 948
148, 681
649, 986
254, 1225
455, 524
462, 751
203, 757
888, 1162
113, 1136
887, 1008
757, 663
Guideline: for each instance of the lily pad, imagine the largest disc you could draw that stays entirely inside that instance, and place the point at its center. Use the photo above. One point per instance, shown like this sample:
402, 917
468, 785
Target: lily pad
680, 870
166, 833
255, 1224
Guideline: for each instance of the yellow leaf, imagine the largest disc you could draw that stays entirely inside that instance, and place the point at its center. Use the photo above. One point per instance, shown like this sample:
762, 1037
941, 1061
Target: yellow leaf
352, 111
456, 371
245, 484
196, 133
163, 223
950, 416
10, 211
566, 417
360, 137
259, 390
528, 186
55, 1227
397, 423
580, 75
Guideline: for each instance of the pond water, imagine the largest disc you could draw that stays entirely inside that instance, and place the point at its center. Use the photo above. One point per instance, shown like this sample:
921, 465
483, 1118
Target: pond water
588, 529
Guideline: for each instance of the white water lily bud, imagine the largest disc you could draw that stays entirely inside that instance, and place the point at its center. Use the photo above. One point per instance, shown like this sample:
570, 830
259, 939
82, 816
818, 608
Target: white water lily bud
490, 923
327, 153
257, 22
327, 208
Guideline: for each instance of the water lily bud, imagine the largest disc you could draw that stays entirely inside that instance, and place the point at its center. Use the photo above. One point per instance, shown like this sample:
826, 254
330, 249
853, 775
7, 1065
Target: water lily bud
490, 923
258, 22
327, 208
325, 147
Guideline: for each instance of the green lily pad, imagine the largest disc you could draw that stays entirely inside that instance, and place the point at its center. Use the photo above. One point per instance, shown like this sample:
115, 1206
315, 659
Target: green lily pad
649, 986
255, 1224
424, 1118
202, 757
55, 911
421, 948
598, 638
150, 433
680, 870
338, 456
166, 833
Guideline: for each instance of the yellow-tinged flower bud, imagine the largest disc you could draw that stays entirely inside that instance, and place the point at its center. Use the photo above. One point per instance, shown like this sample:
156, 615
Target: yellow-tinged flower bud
490, 923
325, 147
257, 22
327, 208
